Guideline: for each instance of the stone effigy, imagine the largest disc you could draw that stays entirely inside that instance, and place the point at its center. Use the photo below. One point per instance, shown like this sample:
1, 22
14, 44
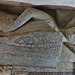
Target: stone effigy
33, 44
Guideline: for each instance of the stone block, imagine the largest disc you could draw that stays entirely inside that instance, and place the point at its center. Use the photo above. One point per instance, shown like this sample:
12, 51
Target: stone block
37, 49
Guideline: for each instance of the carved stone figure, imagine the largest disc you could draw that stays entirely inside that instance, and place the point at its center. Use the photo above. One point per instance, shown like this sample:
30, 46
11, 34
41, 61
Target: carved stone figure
38, 14
33, 41
44, 44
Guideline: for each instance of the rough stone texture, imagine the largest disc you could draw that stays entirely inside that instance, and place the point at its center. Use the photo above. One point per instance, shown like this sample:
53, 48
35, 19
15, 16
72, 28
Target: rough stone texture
33, 71
70, 34
67, 55
70, 24
67, 66
71, 47
32, 26
64, 17
5, 70
20, 52
44, 73
38, 46
7, 16
39, 49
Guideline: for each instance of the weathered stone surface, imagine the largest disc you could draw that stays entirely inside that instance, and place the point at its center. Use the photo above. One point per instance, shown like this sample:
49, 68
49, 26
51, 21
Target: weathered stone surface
5, 70
67, 66
41, 48
38, 49
67, 54
71, 47
19, 51
69, 34
33, 71
4, 16
71, 24
19, 7
32, 26
64, 17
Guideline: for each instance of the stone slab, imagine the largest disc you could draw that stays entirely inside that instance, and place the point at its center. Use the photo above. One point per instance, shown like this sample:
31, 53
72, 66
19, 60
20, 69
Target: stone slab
37, 49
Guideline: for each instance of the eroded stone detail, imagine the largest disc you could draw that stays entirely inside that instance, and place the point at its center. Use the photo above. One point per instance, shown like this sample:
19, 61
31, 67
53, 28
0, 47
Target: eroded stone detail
39, 49
42, 46
5, 70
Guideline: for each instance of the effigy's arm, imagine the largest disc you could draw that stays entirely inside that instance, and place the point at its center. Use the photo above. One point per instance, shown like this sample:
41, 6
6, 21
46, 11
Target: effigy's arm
26, 16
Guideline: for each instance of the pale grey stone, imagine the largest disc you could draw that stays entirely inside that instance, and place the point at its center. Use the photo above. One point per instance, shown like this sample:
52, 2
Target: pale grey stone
38, 49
